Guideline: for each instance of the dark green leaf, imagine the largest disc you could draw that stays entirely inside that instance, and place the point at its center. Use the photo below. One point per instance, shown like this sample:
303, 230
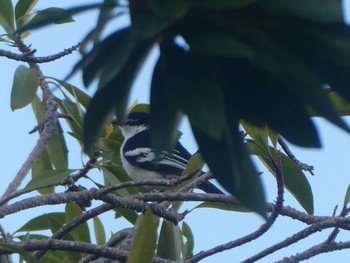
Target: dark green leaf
165, 115
263, 100
215, 42
42, 165
40, 222
188, 246
144, 242
220, 4
81, 232
294, 179
23, 8
230, 163
170, 241
99, 231
148, 18
24, 87
48, 178
328, 11
6, 15
192, 85
113, 97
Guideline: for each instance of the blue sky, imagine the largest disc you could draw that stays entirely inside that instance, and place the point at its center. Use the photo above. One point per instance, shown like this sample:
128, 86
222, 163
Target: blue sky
211, 227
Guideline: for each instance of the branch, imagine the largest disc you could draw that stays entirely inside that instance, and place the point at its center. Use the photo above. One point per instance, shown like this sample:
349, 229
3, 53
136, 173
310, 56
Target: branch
29, 58
286, 149
61, 232
316, 250
50, 123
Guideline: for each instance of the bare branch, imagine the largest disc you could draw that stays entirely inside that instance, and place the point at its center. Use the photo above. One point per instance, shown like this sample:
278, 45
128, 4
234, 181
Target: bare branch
29, 58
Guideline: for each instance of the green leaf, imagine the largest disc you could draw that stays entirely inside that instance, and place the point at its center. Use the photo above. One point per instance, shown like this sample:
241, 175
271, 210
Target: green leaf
108, 57
347, 196
144, 242
40, 222
56, 147
188, 246
48, 178
50, 15
215, 42
42, 165
192, 85
81, 96
6, 15
148, 18
56, 15
81, 232
294, 179
99, 231
113, 97
220, 4
342, 106
327, 11
231, 165
165, 115
23, 8
170, 241
24, 87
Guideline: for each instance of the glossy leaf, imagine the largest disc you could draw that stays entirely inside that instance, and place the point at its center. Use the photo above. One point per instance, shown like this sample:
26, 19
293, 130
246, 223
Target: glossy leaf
294, 179
6, 15
81, 232
48, 178
42, 165
24, 87
23, 8
40, 222
194, 88
170, 242
144, 242
99, 231
165, 115
113, 97
340, 103
188, 245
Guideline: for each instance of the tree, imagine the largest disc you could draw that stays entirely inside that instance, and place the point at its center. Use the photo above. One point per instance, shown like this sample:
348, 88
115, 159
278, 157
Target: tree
246, 73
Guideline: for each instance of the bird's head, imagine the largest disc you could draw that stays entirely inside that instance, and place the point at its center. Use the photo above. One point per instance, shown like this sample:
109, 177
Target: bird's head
134, 123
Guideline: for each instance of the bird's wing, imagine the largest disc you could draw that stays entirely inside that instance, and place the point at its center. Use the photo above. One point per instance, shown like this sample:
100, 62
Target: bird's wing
138, 152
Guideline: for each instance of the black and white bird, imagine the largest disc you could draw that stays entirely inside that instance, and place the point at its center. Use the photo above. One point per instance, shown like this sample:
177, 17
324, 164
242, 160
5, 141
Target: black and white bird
138, 157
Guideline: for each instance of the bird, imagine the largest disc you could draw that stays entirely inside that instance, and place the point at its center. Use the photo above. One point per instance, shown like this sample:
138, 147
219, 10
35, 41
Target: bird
139, 159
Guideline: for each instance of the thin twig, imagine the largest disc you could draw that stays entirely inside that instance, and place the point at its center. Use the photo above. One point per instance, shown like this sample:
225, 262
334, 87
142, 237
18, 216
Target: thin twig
286, 149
